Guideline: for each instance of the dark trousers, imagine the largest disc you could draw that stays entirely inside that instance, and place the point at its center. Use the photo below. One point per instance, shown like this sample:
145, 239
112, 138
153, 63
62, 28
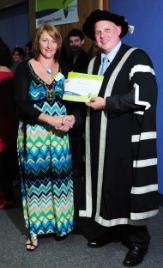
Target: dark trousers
135, 235
77, 150
129, 235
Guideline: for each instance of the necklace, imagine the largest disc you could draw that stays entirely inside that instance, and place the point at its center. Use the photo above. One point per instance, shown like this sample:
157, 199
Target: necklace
47, 69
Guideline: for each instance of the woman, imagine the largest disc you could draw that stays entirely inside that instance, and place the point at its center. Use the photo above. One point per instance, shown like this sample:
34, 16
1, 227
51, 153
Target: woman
8, 129
43, 144
17, 57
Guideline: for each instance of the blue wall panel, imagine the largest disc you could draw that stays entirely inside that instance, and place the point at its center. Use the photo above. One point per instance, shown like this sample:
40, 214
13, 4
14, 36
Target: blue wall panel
14, 26
147, 18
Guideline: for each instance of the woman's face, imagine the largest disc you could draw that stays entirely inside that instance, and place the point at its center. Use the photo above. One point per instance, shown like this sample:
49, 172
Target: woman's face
48, 46
17, 57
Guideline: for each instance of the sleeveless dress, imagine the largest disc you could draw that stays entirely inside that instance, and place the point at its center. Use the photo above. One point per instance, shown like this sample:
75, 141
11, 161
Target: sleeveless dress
45, 163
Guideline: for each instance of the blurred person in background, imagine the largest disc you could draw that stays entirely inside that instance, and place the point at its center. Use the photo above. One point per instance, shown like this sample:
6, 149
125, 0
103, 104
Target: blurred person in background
78, 59
28, 50
17, 57
8, 129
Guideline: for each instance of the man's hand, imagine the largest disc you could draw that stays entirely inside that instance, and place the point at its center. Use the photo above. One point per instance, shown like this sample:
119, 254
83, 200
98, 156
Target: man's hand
97, 103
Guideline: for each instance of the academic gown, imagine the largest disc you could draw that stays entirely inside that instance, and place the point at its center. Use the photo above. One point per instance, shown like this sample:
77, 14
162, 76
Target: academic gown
121, 157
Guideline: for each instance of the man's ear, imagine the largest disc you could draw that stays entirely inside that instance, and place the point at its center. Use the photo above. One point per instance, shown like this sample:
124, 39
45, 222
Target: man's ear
119, 29
82, 42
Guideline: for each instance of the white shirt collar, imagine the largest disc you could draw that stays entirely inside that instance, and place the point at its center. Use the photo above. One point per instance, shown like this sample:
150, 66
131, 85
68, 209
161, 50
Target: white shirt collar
111, 55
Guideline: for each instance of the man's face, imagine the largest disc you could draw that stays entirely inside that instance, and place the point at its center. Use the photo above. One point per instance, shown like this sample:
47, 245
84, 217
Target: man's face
75, 43
107, 35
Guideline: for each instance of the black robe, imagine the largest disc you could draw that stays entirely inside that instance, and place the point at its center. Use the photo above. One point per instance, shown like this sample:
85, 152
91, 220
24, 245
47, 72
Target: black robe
121, 160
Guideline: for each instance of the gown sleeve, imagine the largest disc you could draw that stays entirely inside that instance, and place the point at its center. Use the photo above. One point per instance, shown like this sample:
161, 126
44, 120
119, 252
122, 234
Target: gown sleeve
26, 111
142, 92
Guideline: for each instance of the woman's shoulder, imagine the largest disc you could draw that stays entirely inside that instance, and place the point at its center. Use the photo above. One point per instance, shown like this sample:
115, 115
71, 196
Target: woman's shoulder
23, 64
23, 68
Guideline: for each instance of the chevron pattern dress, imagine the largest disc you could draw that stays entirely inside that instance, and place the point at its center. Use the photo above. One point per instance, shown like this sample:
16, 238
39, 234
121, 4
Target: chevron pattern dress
45, 164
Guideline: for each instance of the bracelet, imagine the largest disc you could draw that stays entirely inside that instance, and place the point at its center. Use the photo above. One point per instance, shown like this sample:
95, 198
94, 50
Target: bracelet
62, 123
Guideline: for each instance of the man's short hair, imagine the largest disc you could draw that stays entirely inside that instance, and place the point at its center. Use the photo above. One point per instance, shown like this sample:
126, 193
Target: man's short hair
76, 32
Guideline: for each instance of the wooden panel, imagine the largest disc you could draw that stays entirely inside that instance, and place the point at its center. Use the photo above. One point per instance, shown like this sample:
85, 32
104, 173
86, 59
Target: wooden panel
32, 18
84, 9
106, 4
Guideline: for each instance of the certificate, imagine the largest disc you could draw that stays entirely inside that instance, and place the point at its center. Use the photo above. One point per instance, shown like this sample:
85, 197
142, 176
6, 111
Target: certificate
82, 87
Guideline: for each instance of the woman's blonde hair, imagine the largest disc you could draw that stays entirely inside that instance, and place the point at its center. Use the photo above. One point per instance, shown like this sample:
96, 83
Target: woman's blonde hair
53, 32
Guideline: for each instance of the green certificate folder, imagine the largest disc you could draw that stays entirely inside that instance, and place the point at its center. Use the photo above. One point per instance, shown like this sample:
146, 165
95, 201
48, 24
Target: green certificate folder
82, 87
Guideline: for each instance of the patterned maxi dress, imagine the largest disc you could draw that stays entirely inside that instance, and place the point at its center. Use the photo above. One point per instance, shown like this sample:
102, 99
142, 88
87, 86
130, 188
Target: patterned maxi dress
45, 163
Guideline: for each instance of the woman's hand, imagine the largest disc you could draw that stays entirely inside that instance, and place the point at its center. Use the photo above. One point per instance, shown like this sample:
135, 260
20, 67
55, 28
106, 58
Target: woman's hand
97, 103
69, 120
56, 121
60, 122
53, 121
67, 123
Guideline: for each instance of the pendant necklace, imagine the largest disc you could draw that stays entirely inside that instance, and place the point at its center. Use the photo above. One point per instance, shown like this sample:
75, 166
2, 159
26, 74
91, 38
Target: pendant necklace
48, 70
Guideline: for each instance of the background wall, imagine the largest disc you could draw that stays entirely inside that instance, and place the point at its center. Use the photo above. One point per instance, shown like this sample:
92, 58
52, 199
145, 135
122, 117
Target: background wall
147, 17
14, 26
17, 22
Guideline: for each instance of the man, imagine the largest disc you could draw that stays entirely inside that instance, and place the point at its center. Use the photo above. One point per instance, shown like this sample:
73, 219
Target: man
78, 58
78, 61
121, 172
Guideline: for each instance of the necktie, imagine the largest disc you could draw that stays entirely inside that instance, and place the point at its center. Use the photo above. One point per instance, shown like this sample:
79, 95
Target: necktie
104, 65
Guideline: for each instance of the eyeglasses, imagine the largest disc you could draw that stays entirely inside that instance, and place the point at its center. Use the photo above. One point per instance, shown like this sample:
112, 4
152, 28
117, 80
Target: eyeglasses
105, 31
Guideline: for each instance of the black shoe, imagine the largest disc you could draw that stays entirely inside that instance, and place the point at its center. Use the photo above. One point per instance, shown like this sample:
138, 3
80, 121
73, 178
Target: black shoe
101, 241
134, 256
60, 238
